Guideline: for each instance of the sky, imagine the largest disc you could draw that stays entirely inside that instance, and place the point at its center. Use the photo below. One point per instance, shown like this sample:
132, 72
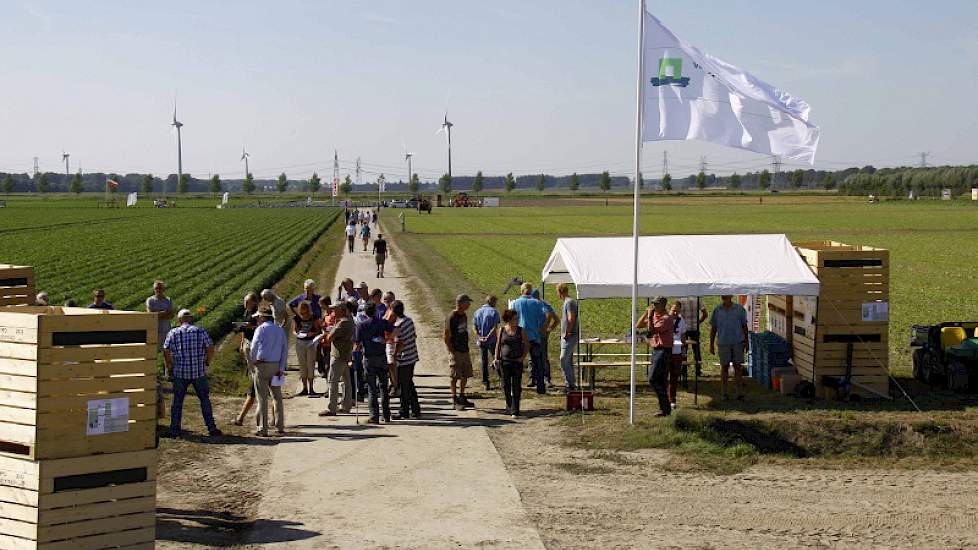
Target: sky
542, 86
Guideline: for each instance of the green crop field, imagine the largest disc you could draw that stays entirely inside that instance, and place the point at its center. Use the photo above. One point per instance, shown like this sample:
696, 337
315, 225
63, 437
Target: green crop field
930, 242
208, 257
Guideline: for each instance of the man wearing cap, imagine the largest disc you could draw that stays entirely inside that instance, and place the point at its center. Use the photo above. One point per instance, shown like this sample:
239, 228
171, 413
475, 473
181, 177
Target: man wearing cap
728, 328
456, 339
484, 321
269, 357
532, 318
308, 293
187, 351
279, 311
660, 334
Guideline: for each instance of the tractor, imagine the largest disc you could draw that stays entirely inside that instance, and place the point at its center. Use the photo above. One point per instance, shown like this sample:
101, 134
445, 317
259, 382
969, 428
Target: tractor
947, 354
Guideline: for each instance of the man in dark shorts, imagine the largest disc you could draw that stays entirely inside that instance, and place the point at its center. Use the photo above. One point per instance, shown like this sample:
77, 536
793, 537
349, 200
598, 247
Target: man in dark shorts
457, 341
380, 254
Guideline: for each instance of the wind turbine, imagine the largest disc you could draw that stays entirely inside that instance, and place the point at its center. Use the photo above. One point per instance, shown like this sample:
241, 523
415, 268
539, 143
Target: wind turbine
244, 157
446, 127
64, 157
178, 125
407, 157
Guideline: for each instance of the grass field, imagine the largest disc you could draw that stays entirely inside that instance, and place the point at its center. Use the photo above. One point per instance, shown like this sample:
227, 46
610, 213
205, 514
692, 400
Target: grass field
209, 258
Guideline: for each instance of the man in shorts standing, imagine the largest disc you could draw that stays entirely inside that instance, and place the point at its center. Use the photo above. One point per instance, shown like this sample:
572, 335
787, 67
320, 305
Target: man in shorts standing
728, 328
457, 341
380, 254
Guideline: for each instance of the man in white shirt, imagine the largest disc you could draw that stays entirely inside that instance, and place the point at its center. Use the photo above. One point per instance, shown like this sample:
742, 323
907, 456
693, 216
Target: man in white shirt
351, 234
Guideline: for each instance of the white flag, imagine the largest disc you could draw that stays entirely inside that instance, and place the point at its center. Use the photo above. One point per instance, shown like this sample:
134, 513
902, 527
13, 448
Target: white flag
689, 94
224, 198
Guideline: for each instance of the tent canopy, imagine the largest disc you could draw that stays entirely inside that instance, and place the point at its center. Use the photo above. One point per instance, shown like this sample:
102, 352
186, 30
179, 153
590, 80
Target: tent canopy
681, 265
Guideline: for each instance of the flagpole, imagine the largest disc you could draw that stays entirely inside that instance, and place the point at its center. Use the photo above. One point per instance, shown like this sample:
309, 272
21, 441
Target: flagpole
639, 97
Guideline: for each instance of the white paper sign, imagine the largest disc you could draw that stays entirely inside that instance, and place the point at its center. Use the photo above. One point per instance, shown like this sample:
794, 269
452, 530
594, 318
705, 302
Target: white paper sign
974, 193
278, 381
874, 312
106, 416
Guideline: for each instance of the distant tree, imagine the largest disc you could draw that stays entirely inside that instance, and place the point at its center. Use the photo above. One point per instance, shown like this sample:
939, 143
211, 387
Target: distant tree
147, 187
314, 183
445, 184
8, 184
604, 181
667, 182
76, 184
795, 178
701, 181
183, 184
734, 181
248, 186
509, 182
42, 183
346, 186
477, 183
764, 181
415, 184
215, 185
541, 183
283, 183
828, 182
574, 183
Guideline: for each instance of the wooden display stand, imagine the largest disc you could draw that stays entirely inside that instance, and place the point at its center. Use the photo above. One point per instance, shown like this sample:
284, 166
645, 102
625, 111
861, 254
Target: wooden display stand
16, 285
104, 501
847, 320
77, 428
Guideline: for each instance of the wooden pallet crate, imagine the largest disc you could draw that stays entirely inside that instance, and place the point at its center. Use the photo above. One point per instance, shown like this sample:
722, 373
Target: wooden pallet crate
76, 381
95, 502
16, 285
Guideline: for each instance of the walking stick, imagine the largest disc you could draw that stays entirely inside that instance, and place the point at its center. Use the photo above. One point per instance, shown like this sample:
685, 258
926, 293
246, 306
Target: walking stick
356, 398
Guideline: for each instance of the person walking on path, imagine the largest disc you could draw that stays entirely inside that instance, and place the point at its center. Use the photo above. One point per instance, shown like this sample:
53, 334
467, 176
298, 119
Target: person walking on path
512, 346
570, 335
406, 355
279, 310
308, 295
269, 357
728, 328
187, 352
678, 348
365, 234
351, 234
456, 337
380, 254
306, 327
485, 320
246, 328
549, 324
659, 324
340, 341
532, 318
694, 311
371, 336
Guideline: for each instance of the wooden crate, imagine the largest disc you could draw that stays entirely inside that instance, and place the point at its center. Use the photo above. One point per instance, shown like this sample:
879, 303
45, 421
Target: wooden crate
851, 278
16, 285
76, 381
96, 502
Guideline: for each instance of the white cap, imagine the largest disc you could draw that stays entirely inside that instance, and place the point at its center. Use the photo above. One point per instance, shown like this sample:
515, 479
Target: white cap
185, 314
309, 283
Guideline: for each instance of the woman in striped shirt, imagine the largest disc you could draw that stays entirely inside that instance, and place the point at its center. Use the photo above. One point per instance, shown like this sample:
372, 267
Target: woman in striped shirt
406, 354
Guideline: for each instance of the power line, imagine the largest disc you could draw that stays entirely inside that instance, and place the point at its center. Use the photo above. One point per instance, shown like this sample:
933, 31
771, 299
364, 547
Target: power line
923, 158
665, 163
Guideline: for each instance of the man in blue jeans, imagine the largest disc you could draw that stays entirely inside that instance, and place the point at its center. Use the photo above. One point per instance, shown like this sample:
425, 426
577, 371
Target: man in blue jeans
532, 318
484, 321
659, 324
569, 335
187, 351
372, 336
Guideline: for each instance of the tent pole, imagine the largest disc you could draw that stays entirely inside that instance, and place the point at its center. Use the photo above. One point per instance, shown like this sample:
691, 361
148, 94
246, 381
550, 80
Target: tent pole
640, 84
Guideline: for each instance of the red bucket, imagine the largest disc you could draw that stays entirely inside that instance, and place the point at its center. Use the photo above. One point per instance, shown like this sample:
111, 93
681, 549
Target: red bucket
580, 401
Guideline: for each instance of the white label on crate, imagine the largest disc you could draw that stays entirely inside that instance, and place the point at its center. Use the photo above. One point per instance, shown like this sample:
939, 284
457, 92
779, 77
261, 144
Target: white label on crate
106, 416
876, 312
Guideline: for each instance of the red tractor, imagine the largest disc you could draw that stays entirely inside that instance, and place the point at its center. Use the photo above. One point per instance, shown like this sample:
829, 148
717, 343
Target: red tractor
462, 200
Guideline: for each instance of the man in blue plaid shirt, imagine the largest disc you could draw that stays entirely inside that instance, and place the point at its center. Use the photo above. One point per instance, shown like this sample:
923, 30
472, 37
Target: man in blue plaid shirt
187, 351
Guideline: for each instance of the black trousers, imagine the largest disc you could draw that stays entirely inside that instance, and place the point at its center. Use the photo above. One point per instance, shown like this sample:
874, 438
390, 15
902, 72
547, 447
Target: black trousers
409, 394
694, 335
659, 378
349, 242
511, 373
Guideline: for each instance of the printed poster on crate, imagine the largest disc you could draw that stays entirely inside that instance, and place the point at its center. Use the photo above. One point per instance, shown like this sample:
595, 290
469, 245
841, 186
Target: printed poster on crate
106, 416
876, 312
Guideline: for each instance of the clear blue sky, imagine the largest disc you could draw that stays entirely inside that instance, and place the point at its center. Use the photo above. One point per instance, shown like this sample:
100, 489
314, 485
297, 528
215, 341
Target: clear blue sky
541, 86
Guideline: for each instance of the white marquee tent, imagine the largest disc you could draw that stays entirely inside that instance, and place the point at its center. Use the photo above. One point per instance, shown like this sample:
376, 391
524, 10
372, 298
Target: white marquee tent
681, 265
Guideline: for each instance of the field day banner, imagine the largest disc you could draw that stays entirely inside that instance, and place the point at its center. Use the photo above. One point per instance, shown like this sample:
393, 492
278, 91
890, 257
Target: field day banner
689, 94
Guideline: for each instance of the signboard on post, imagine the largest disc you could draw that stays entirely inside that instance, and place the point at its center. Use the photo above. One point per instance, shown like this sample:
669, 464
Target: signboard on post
974, 193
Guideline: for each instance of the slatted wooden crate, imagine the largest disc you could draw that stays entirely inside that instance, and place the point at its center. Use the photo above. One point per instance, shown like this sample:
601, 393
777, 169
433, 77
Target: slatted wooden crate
16, 285
96, 502
854, 281
76, 381
779, 316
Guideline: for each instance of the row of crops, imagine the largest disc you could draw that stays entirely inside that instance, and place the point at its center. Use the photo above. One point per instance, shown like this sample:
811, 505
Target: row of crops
209, 258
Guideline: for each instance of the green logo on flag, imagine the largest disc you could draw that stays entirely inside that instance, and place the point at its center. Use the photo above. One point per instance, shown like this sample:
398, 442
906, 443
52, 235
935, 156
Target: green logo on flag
670, 73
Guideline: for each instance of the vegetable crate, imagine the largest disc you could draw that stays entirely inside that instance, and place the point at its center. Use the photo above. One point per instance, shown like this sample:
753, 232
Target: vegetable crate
76, 381
16, 285
850, 317
94, 502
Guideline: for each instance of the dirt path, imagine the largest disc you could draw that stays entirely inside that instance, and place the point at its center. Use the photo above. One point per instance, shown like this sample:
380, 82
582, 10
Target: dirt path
437, 482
